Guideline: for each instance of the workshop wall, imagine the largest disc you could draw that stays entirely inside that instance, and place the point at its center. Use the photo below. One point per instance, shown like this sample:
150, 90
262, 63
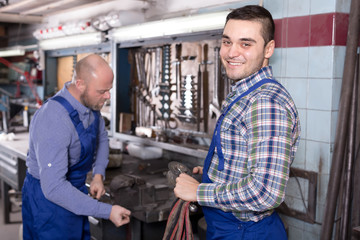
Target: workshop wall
309, 61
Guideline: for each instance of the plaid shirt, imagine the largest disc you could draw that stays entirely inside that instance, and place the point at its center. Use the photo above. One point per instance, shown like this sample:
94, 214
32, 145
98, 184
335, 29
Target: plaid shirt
259, 138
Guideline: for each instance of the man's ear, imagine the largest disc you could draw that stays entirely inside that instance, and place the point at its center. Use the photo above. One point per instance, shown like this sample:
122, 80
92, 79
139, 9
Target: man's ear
269, 49
80, 84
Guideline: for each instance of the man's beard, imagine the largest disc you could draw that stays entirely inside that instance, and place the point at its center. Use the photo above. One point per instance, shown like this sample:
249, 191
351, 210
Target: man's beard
85, 99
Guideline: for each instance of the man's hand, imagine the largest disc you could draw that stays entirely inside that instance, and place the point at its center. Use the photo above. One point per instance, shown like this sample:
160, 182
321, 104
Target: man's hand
97, 186
119, 215
198, 170
186, 188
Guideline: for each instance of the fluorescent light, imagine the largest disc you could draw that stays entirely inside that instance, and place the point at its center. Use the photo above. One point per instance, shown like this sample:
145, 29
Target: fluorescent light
85, 39
14, 51
168, 27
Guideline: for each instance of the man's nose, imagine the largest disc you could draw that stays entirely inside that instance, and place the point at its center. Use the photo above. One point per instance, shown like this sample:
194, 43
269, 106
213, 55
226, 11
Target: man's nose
234, 51
107, 95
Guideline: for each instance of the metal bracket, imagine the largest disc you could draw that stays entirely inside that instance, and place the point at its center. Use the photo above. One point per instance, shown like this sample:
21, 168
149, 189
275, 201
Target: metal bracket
310, 214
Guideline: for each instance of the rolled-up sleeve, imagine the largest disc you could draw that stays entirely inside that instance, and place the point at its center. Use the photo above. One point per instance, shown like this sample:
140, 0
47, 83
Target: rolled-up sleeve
102, 153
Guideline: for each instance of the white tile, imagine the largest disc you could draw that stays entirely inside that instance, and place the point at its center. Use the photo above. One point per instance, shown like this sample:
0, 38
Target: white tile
319, 214
298, 8
297, 62
312, 230
293, 188
297, 88
295, 204
276, 62
282, 81
276, 8
323, 182
295, 233
322, 6
313, 235
321, 62
336, 93
317, 156
343, 6
294, 222
300, 155
334, 118
303, 122
319, 129
320, 94
284, 53
339, 61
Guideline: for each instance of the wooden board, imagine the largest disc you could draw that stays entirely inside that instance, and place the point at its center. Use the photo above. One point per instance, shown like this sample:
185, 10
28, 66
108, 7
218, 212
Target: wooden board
64, 70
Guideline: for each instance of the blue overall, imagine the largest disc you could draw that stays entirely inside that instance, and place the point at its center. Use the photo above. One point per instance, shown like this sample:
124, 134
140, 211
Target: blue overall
45, 220
224, 225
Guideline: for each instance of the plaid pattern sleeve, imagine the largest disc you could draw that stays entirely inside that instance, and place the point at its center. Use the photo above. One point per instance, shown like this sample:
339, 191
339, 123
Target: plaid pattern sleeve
259, 137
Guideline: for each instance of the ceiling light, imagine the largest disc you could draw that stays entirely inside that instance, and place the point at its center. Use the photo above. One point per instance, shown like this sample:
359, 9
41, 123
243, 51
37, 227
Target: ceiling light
168, 27
12, 51
85, 39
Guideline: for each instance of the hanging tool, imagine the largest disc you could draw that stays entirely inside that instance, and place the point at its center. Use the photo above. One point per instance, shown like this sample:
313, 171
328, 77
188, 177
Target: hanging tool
214, 107
199, 81
227, 83
165, 91
188, 93
178, 48
156, 89
205, 87
186, 90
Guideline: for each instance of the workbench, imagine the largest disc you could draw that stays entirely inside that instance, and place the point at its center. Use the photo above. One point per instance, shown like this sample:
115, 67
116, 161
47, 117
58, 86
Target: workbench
140, 186
144, 191
12, 168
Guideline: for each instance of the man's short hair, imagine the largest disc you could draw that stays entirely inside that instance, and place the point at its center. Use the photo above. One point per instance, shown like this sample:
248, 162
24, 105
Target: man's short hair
255, 13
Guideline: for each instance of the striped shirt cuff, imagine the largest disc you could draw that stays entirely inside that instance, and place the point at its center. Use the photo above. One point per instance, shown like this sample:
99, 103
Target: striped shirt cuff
206, 194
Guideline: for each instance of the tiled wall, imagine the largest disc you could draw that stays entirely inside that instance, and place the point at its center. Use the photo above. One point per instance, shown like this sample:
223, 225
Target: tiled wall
308, 61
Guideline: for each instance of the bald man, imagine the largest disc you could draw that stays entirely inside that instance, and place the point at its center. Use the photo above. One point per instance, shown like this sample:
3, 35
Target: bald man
68, 139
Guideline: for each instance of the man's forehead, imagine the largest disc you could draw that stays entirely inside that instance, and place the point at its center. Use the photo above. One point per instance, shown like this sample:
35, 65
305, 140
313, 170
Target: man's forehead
242, 29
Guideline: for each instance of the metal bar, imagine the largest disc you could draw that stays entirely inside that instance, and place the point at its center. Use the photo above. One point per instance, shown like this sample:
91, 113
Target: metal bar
199, 153
355, 215
17, 18
6, 205
349, 164
310, 214
205, 88
199, 89
342, 126
47, 7
14, 6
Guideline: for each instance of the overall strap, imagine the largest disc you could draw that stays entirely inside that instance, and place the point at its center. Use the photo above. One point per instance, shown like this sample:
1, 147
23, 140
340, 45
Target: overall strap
222, 116
74, 115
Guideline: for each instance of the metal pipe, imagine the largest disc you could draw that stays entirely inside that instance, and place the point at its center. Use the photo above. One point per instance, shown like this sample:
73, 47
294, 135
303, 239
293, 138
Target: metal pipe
355, 214
349, 164
342, 126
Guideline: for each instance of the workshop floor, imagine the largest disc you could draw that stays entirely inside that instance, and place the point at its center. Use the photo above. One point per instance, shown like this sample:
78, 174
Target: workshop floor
10, 231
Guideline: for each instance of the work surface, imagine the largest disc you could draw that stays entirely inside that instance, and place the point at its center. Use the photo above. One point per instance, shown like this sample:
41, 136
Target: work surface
19, 145
140, 185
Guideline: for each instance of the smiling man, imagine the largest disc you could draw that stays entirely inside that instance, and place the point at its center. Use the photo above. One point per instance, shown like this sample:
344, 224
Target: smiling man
67, 140
247, 167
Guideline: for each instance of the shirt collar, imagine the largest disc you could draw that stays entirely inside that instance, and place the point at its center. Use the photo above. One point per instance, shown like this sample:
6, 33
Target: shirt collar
244, 84
64, 92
